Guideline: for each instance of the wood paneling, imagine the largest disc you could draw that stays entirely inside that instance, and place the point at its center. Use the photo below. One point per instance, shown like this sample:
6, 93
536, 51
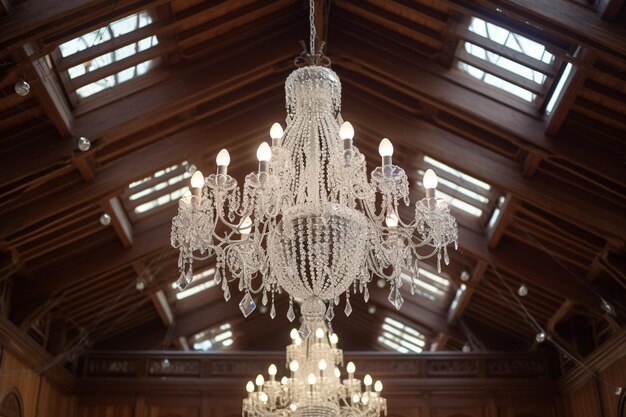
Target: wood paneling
39, 397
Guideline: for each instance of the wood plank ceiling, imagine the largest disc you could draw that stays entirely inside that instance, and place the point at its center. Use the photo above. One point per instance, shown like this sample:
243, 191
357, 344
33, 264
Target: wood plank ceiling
555, 181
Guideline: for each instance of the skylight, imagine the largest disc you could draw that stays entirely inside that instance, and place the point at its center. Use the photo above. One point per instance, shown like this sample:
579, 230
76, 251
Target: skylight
215, 338
78, 74
461, 191
429, 285
162, 187
400, 337
506, 60
559, 88
203, 284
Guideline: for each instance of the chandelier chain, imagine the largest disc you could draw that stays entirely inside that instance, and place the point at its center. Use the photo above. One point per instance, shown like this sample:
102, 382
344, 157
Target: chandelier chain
312, 30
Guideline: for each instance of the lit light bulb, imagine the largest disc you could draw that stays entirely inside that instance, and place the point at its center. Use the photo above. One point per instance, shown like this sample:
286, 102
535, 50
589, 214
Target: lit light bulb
540, 337
522, 291
246, 226
263, 397
351, 368
284, 380
298, 342
276, 131
319, 333
430, 179
367, 380
385, 148
293, 334
293, 406
272, 370
337, 372
223, 158
378, 386
311, 379
346, 131
334, 339
294, 366
391, 220
250, 386
365, 399
264, 152
105, 219
197, 180
355, 398
322, 365
260, 380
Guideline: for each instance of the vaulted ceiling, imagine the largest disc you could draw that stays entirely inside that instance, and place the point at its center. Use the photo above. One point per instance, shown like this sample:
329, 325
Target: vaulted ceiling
204, 75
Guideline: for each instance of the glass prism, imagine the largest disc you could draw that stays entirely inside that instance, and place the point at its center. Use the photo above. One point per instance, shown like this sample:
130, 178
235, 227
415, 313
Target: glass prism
247, 305
304, 331
395, 298
348, 309
290, 314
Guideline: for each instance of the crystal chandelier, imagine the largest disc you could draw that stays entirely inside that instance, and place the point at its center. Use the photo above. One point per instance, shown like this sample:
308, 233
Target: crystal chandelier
314, 387
308, 221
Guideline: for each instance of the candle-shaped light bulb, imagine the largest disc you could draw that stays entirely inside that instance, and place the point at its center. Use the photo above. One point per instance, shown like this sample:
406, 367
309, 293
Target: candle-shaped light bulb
355, 398
367, 380
385, 148
284, 380
263, 397
311, 379
293, 406
245, 227
264, 152
272, 370
351, 368
276, 131
430, 179
250, 386
365, 399
337, 372
391, 220
197, 180
378, 386
322, 365
260, 380
293, 334
294, 366
346, 131
319, 333
334, 339
298, 342
223, 158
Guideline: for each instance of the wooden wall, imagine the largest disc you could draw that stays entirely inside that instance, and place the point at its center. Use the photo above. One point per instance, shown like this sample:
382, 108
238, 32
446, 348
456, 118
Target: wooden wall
595, 399
39, 398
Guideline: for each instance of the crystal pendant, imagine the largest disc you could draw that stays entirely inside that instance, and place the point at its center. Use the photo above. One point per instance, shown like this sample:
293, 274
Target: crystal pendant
240, 286
439, 262
348, 309
290, 314
264, 299
273, 311
304, 331
226, 293
217, 277
446, 257
330, 313
247, 305
366, 295
395, 298
183, 281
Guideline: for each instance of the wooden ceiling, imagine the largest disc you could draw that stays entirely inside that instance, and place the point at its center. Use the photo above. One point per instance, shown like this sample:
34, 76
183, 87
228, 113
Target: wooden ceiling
216, 81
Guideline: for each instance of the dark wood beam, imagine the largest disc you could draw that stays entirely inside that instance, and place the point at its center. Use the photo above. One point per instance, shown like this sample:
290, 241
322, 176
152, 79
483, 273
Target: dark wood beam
465, 297
609, 9
507, 211
119, 220
566, 20
571, 88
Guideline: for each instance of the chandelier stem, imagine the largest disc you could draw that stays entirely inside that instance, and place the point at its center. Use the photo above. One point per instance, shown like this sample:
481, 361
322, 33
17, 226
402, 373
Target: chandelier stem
312, 33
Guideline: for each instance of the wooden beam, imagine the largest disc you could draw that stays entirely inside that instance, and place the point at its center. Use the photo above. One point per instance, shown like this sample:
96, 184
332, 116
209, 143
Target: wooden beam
119, 220
41, 311
159, 300
507, 211
609, 9
463, 300
566, 20
571, 88
49, 91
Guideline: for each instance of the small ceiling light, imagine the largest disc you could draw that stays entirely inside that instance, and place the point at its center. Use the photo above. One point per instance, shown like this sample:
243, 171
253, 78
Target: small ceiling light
371, 309
380, 283
22, 88
105, 219
522, 291
467, 348
617, 390
165, 363
140, 285
83, 144
465, 276
540, 337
